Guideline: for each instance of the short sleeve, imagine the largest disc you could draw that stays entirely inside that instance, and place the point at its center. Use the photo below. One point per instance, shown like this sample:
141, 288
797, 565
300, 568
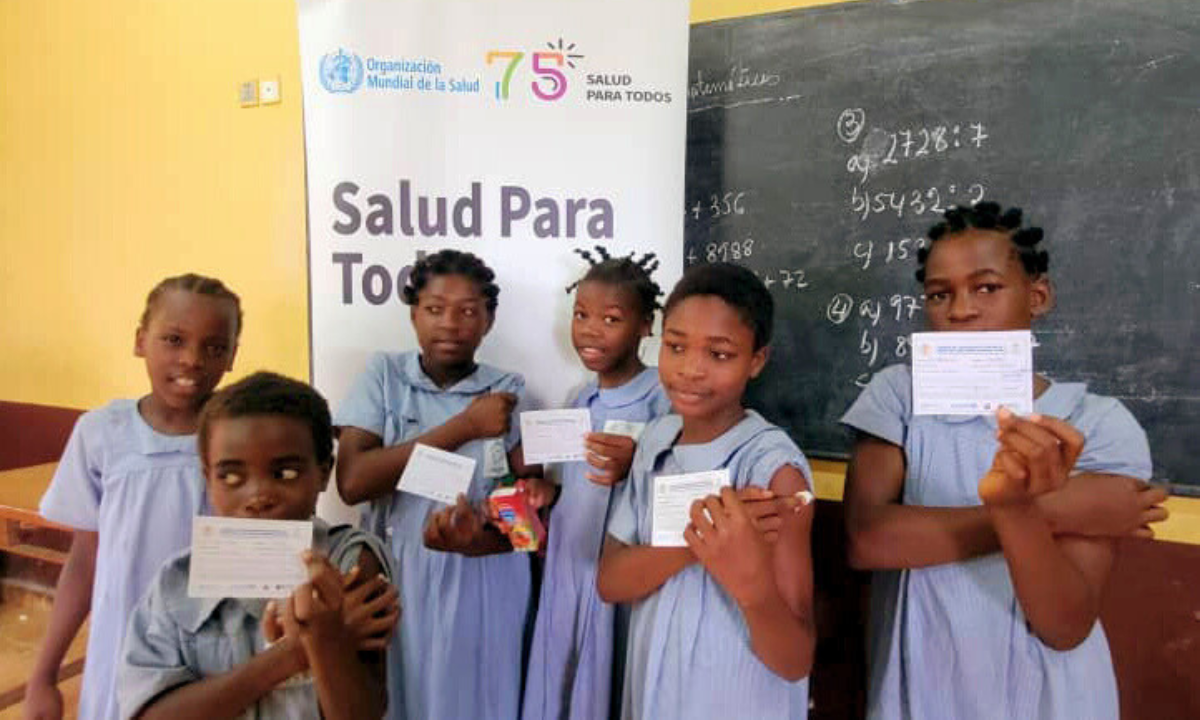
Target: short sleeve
153, 659
776, 453
73, 498
365, 406
883, 407
622, 512
346, 553
1115, 442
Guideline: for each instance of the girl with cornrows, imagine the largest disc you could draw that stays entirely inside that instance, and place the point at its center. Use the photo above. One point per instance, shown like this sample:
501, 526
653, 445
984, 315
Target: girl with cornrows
129, 483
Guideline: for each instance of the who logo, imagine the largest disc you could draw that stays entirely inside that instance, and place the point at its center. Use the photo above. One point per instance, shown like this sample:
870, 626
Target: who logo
341, 72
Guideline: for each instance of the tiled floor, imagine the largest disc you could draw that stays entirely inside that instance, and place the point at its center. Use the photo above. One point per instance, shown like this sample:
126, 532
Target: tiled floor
23, 619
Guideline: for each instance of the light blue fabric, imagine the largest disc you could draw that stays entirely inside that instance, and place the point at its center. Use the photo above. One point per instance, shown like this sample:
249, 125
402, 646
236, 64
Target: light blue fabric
139, 489
570, 672
457, 652
951, 641
689, 647
175, 639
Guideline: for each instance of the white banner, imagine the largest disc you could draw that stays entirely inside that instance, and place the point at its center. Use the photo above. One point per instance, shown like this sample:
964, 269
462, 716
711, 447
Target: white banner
518, 131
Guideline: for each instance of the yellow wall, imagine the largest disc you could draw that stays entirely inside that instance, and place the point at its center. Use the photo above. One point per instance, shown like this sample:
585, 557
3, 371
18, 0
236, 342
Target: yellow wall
705, 10
124, 157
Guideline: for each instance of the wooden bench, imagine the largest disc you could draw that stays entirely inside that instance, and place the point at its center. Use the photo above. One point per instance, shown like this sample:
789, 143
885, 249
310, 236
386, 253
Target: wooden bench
22, 530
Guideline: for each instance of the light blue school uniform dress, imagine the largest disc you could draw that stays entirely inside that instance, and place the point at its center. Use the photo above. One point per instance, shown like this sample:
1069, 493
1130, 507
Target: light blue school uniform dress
689, 647
570, 671
139, 489
951, 641
457, 651
176, 640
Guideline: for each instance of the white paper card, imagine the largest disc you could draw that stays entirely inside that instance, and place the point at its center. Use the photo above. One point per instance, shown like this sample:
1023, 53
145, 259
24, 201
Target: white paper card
972, 373
495, 458
628, 428
551, 436
672, 503
240, 558
436, 474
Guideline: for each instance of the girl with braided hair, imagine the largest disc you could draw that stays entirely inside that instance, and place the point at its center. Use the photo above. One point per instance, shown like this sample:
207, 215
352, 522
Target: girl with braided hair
576, 636
993, 535
129, 483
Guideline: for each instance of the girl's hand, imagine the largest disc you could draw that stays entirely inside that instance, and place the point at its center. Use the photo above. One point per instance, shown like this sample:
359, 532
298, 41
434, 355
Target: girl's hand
490, 415
370, 610
723, 537
313, 612
1036, 456
455, 528
43, 701
276, 635
539, 493
611, 455
1102, 505
766, 510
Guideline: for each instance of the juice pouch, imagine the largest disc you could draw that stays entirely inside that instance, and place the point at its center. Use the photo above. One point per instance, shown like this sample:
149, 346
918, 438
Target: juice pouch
517, 518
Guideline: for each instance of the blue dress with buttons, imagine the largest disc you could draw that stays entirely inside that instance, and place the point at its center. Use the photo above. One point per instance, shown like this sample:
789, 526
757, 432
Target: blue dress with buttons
576, 633
951, 641
138, 489
689, 650
457, 651
176, 640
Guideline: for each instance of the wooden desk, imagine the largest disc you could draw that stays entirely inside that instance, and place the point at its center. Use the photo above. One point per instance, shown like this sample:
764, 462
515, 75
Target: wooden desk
20, 523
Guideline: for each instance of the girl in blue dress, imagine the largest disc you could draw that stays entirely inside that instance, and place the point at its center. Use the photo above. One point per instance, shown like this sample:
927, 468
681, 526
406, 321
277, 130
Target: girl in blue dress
987, 526
129, 482
464, 594
570, 672
722, 627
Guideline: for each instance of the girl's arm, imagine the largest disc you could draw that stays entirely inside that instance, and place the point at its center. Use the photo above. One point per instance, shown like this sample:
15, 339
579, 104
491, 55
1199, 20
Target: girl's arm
1058, 582
348, 685
229, 694
462, 529
884, 534
771, 584
367, 470
72, 602
629, 573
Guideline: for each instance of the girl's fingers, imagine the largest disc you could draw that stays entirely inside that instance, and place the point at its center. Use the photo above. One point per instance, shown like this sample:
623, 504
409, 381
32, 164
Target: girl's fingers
302, 602
1152, 494
1070, 437
1145, 532
1154, 515
701, 518
1013, 466
601, 478
326, 580
291, 625
373, 644
768, 524
602, 442
754, 492
1037, 460
1049, 454
716, 511
694, 540
270, 624
771, 537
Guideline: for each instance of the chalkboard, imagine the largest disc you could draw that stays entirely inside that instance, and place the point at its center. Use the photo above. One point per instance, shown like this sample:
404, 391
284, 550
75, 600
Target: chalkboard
823, 143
